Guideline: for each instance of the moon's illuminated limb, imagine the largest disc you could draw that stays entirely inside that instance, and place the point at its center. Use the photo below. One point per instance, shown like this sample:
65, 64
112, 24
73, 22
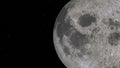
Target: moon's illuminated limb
104, 9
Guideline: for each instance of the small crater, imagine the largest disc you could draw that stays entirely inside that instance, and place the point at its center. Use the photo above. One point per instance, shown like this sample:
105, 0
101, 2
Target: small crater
113, 38
111, 24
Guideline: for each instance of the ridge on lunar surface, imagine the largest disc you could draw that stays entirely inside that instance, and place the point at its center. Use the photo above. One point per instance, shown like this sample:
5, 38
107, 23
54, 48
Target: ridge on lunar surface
102, 48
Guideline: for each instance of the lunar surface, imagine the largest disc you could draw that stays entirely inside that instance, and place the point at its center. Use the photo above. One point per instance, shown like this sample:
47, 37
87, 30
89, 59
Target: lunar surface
87, 34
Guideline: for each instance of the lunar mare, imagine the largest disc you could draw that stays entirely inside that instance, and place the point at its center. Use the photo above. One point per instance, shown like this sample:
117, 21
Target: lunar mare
98, 53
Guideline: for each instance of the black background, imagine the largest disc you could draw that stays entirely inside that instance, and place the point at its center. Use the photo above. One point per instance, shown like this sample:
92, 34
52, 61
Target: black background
30, 27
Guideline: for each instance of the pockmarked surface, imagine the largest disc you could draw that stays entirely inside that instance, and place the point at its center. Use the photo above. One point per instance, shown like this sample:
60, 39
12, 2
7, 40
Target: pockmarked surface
89, 34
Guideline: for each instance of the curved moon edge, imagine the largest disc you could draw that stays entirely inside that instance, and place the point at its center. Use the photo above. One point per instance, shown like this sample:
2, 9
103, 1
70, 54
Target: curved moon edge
105, 61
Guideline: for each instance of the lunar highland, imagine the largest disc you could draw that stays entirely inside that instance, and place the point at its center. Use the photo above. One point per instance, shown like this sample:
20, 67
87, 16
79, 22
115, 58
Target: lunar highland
87, 34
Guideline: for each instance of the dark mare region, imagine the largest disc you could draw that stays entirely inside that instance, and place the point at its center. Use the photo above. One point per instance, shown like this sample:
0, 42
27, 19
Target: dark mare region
63, 27
78, 40
86, 20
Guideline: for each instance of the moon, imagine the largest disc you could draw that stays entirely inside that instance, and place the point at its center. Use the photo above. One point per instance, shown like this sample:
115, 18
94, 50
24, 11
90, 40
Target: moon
87, 34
